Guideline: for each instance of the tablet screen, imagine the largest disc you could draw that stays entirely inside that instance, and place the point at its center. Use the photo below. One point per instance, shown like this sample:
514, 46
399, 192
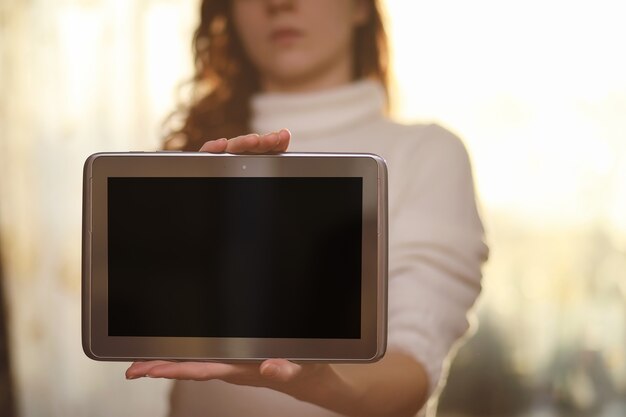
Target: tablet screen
250, 257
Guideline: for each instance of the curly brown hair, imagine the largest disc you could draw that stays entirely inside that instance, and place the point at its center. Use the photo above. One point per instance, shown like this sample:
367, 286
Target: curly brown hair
225, 79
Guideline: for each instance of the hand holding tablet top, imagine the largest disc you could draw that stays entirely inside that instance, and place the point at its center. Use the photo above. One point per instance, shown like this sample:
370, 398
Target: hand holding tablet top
198, 256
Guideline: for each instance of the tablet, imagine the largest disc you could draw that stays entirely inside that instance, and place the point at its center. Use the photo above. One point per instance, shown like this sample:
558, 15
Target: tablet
199, 256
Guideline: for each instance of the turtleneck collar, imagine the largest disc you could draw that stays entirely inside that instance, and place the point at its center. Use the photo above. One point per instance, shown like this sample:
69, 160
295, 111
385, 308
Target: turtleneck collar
318, 112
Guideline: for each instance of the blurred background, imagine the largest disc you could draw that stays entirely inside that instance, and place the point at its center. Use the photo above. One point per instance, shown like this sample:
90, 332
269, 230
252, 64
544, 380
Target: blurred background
537, 90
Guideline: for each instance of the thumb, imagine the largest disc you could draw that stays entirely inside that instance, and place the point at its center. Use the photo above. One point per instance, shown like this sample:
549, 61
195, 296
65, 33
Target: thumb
280, 370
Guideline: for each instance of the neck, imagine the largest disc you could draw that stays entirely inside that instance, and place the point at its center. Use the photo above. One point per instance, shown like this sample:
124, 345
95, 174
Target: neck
336, 74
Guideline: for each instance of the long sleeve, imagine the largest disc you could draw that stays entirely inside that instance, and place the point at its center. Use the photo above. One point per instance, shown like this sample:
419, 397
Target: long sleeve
436, 249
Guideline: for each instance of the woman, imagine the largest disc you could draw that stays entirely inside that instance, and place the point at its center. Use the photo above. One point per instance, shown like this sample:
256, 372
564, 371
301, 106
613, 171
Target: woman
319, 68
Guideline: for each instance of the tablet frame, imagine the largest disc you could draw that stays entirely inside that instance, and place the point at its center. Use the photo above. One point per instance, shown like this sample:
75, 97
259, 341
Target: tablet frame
98, 345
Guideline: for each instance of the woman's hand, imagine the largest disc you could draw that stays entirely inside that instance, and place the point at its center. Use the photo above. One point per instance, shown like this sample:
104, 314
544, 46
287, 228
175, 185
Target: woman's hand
278, 374
395, 386
273, 142
312, 382
307, 382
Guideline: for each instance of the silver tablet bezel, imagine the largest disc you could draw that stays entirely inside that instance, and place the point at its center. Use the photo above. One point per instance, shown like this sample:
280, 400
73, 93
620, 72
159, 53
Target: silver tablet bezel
98, 345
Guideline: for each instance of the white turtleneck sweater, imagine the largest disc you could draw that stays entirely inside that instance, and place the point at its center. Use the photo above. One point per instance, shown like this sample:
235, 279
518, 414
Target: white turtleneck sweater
436, 246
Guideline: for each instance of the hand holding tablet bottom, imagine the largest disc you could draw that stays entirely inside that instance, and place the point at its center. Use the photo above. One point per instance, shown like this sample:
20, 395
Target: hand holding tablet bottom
279, 374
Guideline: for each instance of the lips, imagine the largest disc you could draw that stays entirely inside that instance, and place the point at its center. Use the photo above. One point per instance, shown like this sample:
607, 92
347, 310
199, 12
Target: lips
283, 35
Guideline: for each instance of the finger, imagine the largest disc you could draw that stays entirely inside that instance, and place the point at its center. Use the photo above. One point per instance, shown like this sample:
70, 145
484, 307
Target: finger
284, 136
245, 143
267, 143
280, 370
197, 371
215, 146
139, 369
273, 142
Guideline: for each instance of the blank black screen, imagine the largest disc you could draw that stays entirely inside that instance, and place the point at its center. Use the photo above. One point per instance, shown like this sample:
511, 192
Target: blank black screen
235, 257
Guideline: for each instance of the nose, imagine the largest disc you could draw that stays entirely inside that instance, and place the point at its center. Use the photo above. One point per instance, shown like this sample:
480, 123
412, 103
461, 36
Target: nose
277, 6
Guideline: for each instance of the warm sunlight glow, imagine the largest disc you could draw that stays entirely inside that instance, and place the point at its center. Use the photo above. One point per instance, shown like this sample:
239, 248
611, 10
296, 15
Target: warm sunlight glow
537, 91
